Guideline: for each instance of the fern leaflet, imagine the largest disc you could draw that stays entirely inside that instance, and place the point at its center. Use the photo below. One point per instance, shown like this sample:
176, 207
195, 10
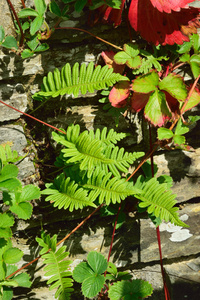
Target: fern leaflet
160, 201
109, 190
73, 80
57, 267
65, 193
112, 137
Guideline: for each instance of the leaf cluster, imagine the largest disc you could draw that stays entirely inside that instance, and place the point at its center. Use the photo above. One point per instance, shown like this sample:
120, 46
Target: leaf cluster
16, 200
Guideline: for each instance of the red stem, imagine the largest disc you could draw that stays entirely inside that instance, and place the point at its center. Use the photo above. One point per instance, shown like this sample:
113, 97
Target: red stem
18, 22
66, 237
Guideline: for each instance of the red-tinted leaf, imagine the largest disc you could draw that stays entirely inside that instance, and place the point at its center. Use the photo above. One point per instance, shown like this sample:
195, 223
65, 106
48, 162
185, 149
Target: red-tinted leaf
146, 83
138, 101
113, 15
108, 57
193, 100
156, 110
119, 94
169, 5
160, 27
172, 103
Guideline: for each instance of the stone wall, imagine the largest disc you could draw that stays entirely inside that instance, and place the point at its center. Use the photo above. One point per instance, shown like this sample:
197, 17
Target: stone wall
135, 247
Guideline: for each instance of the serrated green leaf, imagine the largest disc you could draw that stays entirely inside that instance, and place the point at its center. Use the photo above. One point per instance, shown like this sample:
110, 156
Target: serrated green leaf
12, 255
79, 5
193, 100
9, 282
195, 67
131, 49
97, 262
2, 34
7, 293
40, 6
36, 24
6, 220
179, 139
55, 9
93, 285
164, 133
82, 271
26, 12
195, 41
134, 63
181, 128
175, 86
5, 232
185, 57
3, 243
146, 83
156, 109
12, 185
29, 192
42, 47
185, 47
121, 58
22, 209
23, 280
134, 290
9, 171
26, 53
10, 42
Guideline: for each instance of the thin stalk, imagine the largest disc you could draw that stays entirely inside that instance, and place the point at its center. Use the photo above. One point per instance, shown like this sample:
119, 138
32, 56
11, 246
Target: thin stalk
98, 38
21, 112
65, 238
18, 22
166, 291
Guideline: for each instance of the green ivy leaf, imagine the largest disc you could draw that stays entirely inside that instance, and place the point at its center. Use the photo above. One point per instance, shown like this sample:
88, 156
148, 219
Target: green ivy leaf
27, 12
10, 42
175, 86
2, 34
90, 274
181, 128
164, 133
156, 110
40, 6
136, 289
36, 24
12, 255
146, 83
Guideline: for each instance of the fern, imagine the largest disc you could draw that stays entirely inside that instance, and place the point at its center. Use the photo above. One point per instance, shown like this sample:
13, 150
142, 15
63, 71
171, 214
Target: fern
8, 156
65, 193
57, 267
74, 80
91, 152
109, 190
159, 200
111, 137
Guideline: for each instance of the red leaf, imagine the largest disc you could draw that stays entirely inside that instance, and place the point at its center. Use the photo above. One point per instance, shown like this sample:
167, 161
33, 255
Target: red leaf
138, 101
169, 5
113, 15
108, 57
161, 27
119, 94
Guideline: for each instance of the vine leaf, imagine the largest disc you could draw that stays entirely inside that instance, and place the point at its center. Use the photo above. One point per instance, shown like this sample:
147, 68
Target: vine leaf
129, 290
90, 274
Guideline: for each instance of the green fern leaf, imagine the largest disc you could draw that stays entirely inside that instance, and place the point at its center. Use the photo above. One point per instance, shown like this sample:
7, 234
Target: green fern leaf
58, 268
64, 193
109, 190
160, 201
8, 156
73, 80
112, 137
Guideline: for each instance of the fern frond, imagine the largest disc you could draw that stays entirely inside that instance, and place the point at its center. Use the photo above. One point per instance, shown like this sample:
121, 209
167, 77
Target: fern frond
160, 201
64, 193
73, 80
57, 267
108, 189
8, 156
110, 137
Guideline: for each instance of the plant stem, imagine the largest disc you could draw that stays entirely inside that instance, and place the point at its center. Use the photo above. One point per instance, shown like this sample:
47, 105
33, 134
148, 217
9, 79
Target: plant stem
21, 112
18, 22
65, 238
98, 38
